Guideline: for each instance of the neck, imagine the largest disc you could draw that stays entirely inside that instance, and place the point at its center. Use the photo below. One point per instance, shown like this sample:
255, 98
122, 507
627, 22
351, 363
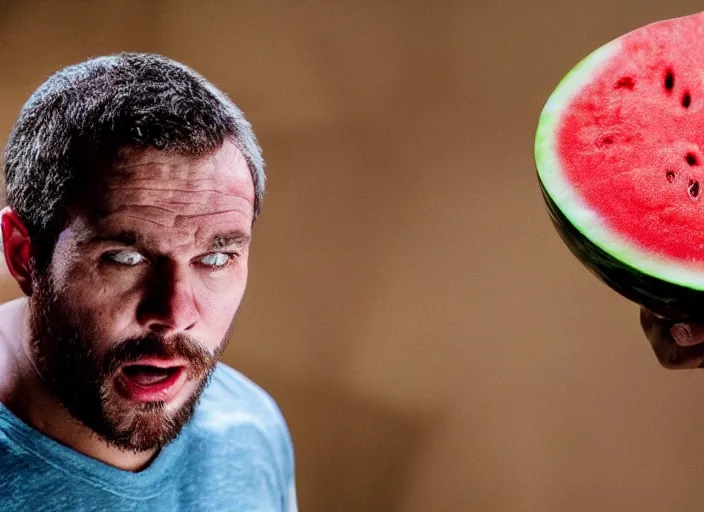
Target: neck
23, 392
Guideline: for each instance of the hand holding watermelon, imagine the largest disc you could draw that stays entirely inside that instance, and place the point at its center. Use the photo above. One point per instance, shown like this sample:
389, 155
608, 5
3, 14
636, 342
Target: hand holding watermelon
676, 345
619, 151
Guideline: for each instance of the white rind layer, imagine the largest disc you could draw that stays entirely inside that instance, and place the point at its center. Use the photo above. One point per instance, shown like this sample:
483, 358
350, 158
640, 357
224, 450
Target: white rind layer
582, 217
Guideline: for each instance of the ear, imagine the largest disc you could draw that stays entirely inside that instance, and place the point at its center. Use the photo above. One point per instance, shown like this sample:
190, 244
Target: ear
17, 248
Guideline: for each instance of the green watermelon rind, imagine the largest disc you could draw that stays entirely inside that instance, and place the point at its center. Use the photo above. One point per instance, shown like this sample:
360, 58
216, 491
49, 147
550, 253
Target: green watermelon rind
581, 216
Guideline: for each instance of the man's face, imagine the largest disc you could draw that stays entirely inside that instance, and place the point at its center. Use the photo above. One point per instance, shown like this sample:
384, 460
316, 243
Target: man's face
137, 304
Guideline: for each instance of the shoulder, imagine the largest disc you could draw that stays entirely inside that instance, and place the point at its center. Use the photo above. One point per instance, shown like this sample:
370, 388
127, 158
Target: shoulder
237, 417
232, 398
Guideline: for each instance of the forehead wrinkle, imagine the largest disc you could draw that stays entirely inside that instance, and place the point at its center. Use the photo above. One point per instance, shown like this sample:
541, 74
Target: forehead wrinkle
158, 208
150, 221
181, 217
141, 164
127, 207
171, 190
157, 214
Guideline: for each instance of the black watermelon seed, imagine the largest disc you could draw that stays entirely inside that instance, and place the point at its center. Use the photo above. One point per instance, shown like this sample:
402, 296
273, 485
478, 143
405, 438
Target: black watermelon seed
686, 100
669, 80
694, 189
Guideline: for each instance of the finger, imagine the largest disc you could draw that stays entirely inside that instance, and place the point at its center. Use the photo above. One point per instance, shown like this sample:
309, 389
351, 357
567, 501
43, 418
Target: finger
670, 354
687, 335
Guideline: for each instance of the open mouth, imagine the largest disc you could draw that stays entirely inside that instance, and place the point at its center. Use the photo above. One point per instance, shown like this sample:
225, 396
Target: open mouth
145, 375
147, 381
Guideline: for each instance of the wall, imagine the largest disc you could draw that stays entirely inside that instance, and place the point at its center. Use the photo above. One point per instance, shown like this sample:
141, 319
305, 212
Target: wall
432, 343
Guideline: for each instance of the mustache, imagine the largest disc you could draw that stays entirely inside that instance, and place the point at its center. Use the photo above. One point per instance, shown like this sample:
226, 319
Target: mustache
179, 346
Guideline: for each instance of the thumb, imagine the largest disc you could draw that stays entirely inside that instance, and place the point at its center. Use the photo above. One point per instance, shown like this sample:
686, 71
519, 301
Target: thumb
687, 335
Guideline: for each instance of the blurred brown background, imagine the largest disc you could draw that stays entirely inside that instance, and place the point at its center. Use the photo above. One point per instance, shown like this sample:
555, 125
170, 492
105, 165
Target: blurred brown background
432, 344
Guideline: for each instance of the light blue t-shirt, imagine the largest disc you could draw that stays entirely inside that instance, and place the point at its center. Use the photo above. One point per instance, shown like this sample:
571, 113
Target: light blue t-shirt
235, 455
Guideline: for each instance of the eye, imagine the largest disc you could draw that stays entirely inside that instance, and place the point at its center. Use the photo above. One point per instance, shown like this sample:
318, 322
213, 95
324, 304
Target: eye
127, 258
216, 259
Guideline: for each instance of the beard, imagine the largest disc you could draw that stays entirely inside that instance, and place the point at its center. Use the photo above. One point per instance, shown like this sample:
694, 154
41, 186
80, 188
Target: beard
83, 381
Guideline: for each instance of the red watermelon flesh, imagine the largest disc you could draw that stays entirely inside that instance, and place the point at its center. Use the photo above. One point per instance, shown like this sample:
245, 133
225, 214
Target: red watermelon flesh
631, 140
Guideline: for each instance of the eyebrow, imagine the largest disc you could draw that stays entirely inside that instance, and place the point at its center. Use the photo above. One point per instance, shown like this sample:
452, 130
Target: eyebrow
230, 239
133, 239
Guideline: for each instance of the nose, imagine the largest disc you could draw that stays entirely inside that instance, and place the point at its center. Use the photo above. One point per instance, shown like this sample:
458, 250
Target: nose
169, 304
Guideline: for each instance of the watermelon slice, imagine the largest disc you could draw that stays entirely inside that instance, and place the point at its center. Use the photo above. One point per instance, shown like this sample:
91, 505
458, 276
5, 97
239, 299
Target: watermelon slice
619, 152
